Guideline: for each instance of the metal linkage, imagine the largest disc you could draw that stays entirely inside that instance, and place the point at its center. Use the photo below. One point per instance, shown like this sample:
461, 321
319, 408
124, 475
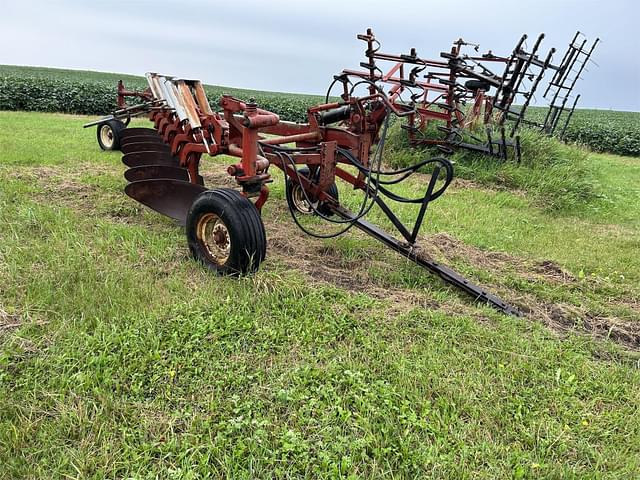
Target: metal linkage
125, 112
449, 276
455, 91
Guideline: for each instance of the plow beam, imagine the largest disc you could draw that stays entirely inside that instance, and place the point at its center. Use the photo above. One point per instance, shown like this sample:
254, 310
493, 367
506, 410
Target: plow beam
448, 275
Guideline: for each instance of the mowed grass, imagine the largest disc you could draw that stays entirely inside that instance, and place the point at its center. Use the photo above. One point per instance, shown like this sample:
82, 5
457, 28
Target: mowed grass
122, 358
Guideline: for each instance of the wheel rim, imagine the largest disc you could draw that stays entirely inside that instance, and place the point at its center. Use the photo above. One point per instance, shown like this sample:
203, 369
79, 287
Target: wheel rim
214, 236
106, 136
299, 200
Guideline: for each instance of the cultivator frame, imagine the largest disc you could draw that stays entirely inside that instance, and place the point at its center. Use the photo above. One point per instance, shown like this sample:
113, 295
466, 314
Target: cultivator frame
439, 91
110, 127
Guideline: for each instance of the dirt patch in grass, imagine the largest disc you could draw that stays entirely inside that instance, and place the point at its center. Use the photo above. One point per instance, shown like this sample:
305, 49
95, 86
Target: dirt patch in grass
450, 249
557, 316
217, 176
67, 188
60, 186
322, 264
9, 321
564, 318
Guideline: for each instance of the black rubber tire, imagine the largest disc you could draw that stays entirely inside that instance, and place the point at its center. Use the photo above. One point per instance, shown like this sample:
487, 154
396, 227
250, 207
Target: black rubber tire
110, 129
476, 85
247, 237
323, 209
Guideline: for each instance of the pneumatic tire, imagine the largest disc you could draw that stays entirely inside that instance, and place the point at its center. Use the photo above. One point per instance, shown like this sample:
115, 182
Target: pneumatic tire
225, 232
297, 200
108, 134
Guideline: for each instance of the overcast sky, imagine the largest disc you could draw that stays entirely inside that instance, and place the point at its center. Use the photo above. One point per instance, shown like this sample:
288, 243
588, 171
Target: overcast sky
298, 46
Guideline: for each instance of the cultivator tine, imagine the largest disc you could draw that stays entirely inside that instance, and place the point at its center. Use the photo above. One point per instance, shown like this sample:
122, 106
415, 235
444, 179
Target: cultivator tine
566, 60
503, 143
150, 157
169, 197
564, 83
528, 59
516, 147
144, 146
511, 67
566, 122
150, 172
489, 141
532, 90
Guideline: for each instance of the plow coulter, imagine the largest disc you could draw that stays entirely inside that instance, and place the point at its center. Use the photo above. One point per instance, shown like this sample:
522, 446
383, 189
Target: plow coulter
340, 142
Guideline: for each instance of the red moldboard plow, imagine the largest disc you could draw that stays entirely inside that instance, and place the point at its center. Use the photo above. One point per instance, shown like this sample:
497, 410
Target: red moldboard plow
341, 141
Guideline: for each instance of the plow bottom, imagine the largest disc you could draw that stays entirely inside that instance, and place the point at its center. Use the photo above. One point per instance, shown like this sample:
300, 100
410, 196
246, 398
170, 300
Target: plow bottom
130, 132
150, 172
169, 197
150, 157
145, 145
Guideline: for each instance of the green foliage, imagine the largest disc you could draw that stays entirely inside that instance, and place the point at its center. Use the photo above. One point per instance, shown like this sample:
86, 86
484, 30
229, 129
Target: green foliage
556, 176
600, 130
94, 93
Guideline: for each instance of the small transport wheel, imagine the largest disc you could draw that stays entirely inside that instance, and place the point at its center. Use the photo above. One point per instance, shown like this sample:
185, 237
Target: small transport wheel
225, 232
297, 199
108, 134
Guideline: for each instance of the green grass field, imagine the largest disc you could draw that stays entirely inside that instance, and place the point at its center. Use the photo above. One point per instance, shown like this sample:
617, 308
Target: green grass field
94, 93
122, 358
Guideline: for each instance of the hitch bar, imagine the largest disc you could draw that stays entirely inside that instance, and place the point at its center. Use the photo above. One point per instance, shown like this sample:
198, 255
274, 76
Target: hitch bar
133, 110
445, 273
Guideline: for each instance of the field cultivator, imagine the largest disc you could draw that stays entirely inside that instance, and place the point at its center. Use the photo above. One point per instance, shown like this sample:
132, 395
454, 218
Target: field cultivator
341, 141
471, 98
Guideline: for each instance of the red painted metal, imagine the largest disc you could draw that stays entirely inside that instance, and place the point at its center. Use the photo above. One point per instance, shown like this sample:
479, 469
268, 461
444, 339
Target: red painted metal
123, 93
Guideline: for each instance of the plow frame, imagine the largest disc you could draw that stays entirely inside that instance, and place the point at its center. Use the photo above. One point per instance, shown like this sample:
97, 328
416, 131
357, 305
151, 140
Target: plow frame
188, 128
